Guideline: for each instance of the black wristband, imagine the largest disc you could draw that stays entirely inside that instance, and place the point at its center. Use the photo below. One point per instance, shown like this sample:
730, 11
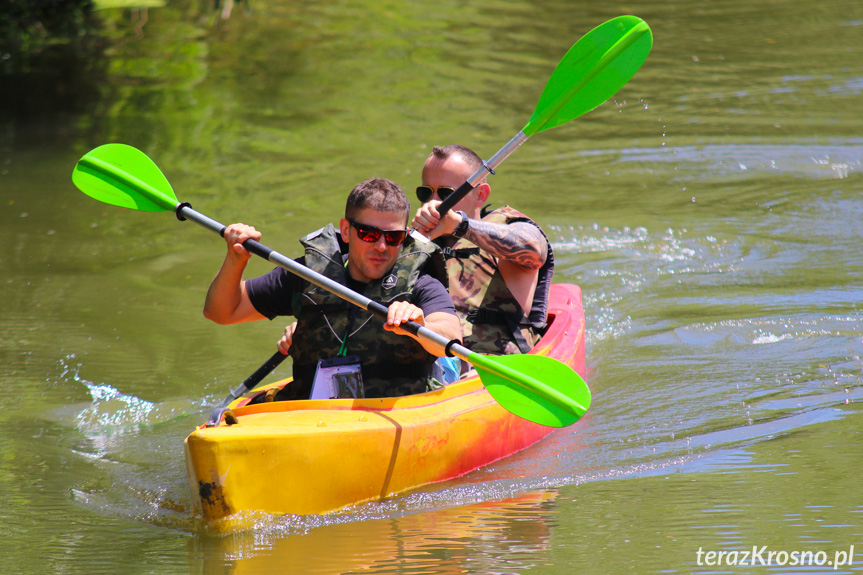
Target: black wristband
461, 230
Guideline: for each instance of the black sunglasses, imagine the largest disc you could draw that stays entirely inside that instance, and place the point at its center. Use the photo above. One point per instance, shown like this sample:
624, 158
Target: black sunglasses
425, 193
372, 234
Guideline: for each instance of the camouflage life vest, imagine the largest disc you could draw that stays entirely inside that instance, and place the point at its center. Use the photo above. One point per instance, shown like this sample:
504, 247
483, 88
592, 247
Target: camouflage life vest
392, 364
492, 321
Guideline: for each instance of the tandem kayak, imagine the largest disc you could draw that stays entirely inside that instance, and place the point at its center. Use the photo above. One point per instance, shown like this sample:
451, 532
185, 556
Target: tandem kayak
317, 456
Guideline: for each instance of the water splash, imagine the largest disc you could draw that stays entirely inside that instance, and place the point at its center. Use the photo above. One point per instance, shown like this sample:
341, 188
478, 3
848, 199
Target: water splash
613, 264
111, 409
136, 445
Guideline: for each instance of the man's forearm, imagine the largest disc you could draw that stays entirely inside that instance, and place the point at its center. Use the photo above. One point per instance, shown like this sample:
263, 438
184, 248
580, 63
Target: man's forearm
225, 293
520, 243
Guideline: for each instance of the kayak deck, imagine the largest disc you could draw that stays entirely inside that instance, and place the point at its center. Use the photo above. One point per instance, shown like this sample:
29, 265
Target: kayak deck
317, 456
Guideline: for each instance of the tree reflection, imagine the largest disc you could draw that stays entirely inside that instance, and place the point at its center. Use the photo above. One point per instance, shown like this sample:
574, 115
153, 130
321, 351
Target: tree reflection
50, 67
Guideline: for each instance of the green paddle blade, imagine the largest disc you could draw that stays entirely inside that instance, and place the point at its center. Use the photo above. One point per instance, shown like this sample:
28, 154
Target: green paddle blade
553, 394
124, 176
593, 70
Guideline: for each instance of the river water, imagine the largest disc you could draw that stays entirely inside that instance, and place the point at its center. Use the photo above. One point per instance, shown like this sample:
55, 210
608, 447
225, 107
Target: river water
711, 213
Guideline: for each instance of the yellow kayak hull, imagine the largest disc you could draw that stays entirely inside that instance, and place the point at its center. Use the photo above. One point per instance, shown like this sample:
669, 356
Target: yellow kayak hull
317, 456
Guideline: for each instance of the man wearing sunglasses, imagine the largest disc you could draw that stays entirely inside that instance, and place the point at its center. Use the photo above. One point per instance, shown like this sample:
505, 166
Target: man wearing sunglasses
499, 262
372, 254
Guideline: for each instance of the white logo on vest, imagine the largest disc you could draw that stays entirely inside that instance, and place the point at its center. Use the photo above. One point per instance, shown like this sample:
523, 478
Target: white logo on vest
389, 282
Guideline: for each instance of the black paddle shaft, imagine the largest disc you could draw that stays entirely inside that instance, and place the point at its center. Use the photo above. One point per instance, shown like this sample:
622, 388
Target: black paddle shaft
371, 306
268, 366
486, 168
454, 198
185, 211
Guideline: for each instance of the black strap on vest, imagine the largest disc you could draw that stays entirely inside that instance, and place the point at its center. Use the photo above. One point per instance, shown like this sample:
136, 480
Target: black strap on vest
461, 253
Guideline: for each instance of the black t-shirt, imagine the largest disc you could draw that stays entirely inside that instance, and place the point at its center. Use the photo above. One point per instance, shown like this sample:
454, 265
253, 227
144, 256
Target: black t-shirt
272, 293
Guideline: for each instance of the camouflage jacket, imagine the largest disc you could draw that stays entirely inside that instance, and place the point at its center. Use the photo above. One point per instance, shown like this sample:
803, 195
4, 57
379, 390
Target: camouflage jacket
392, 364
492, 321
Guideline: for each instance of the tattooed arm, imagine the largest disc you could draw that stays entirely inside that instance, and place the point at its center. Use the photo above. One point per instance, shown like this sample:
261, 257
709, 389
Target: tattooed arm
520, 243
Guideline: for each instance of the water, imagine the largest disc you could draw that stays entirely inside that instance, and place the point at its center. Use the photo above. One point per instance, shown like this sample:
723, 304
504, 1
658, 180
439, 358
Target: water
710, 211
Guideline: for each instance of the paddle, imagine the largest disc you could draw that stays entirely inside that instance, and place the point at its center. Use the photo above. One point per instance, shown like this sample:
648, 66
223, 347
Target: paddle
591, 72
266, 368
553, 395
